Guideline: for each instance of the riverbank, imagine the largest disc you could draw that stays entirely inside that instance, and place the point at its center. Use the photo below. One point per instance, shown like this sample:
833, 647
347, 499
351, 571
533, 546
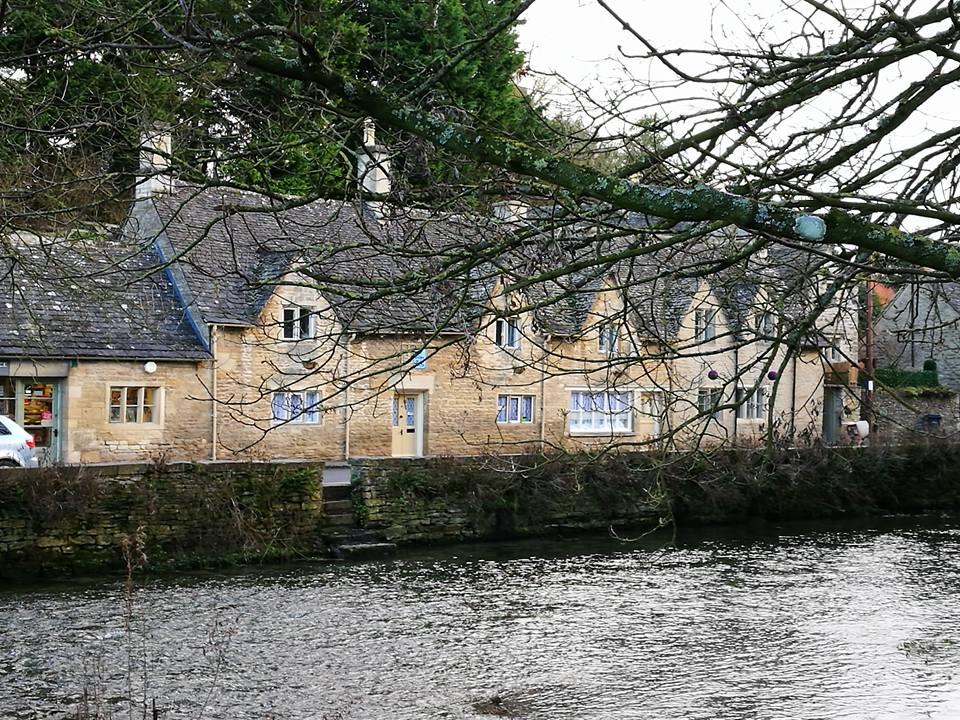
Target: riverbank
60, 521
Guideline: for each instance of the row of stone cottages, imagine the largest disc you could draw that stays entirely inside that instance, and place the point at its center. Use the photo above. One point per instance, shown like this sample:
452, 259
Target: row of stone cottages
216, 324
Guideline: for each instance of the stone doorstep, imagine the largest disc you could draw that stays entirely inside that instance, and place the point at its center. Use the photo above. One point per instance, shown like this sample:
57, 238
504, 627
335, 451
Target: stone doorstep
341, 519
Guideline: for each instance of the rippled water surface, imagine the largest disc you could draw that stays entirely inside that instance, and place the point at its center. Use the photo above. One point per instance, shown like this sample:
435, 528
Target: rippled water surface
795, 625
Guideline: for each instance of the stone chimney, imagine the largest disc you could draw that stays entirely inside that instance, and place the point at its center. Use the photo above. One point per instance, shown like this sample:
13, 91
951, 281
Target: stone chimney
154, 177
373, 163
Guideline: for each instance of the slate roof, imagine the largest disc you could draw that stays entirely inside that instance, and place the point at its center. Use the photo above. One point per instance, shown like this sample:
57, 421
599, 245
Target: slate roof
377, 271
91, 297
384, 272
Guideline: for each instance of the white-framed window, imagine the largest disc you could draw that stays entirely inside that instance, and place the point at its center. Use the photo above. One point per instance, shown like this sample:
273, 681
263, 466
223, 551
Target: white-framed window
705, 324
836, 351
133, 404
515, 408
766, 326
296, 407
752, 405
708, 399
607, 339
601, 411
653, 408
8, 397
507, 333
298, 322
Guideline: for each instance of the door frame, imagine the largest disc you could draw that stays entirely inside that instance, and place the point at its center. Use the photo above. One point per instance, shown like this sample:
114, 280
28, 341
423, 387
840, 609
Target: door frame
55, 452
832, 409
418, 419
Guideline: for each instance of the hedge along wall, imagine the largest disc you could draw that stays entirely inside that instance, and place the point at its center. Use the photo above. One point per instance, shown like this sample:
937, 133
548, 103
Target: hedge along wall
459, 498
95, 517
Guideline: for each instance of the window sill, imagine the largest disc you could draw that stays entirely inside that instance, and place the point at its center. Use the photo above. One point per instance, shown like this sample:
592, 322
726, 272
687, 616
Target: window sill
599, 433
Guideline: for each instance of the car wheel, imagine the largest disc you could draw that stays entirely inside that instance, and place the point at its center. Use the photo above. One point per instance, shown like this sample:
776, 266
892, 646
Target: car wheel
8, 464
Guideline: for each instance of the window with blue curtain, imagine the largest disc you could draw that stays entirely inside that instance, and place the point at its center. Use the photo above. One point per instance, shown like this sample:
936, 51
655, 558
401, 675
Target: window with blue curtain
297, 407
515, 408
420, 360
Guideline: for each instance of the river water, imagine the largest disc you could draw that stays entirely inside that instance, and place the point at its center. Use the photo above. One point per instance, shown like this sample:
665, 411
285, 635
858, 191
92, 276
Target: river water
792, 624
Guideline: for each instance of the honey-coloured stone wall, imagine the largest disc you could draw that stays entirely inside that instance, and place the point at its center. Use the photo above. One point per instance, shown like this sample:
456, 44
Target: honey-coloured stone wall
69, 519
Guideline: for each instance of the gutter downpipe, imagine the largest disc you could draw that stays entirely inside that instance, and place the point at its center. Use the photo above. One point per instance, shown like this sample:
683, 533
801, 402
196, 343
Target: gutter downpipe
543, 400
793, 401
346, 397
213, 392
736, 384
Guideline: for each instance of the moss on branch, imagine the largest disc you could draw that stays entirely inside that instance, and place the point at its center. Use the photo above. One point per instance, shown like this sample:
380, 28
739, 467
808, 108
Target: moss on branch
699, 203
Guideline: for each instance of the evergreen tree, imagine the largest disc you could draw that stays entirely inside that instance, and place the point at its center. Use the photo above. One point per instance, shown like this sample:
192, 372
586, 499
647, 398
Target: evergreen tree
83, 78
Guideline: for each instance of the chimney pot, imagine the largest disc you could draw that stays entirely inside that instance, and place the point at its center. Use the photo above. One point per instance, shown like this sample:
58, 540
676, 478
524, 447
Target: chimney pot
373, 163
156, 146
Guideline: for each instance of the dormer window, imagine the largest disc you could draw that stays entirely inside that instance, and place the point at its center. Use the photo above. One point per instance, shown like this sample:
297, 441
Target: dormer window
298, 322
705, 325
507, 333
607, 339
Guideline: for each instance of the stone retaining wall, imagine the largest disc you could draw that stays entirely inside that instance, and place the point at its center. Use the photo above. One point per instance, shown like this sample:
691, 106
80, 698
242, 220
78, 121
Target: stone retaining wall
74, 518
914, 419
82, 517
445, 499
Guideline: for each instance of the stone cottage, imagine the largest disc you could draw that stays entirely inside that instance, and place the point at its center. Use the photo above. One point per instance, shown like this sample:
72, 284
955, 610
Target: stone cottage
218, 324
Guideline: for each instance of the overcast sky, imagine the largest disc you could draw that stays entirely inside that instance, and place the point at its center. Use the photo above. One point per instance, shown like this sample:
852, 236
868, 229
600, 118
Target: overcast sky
578, 39
574, 36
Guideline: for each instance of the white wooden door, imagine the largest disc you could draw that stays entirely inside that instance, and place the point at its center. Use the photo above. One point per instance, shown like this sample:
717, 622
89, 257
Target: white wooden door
407, 424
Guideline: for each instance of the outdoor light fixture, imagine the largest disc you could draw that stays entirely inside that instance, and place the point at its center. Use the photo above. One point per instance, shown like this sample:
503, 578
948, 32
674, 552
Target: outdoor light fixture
150, 367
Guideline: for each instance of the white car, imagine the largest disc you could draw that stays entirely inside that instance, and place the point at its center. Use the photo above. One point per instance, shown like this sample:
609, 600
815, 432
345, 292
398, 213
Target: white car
17, 448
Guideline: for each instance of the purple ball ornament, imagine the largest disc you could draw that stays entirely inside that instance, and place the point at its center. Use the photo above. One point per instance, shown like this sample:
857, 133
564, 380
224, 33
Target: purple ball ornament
713, 374
772, 375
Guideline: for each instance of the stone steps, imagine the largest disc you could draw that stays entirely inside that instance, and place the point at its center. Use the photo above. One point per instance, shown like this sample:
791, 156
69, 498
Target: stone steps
339, 520
364, 551
352, 535
336, 492
351, 543
344, 540
337, 507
